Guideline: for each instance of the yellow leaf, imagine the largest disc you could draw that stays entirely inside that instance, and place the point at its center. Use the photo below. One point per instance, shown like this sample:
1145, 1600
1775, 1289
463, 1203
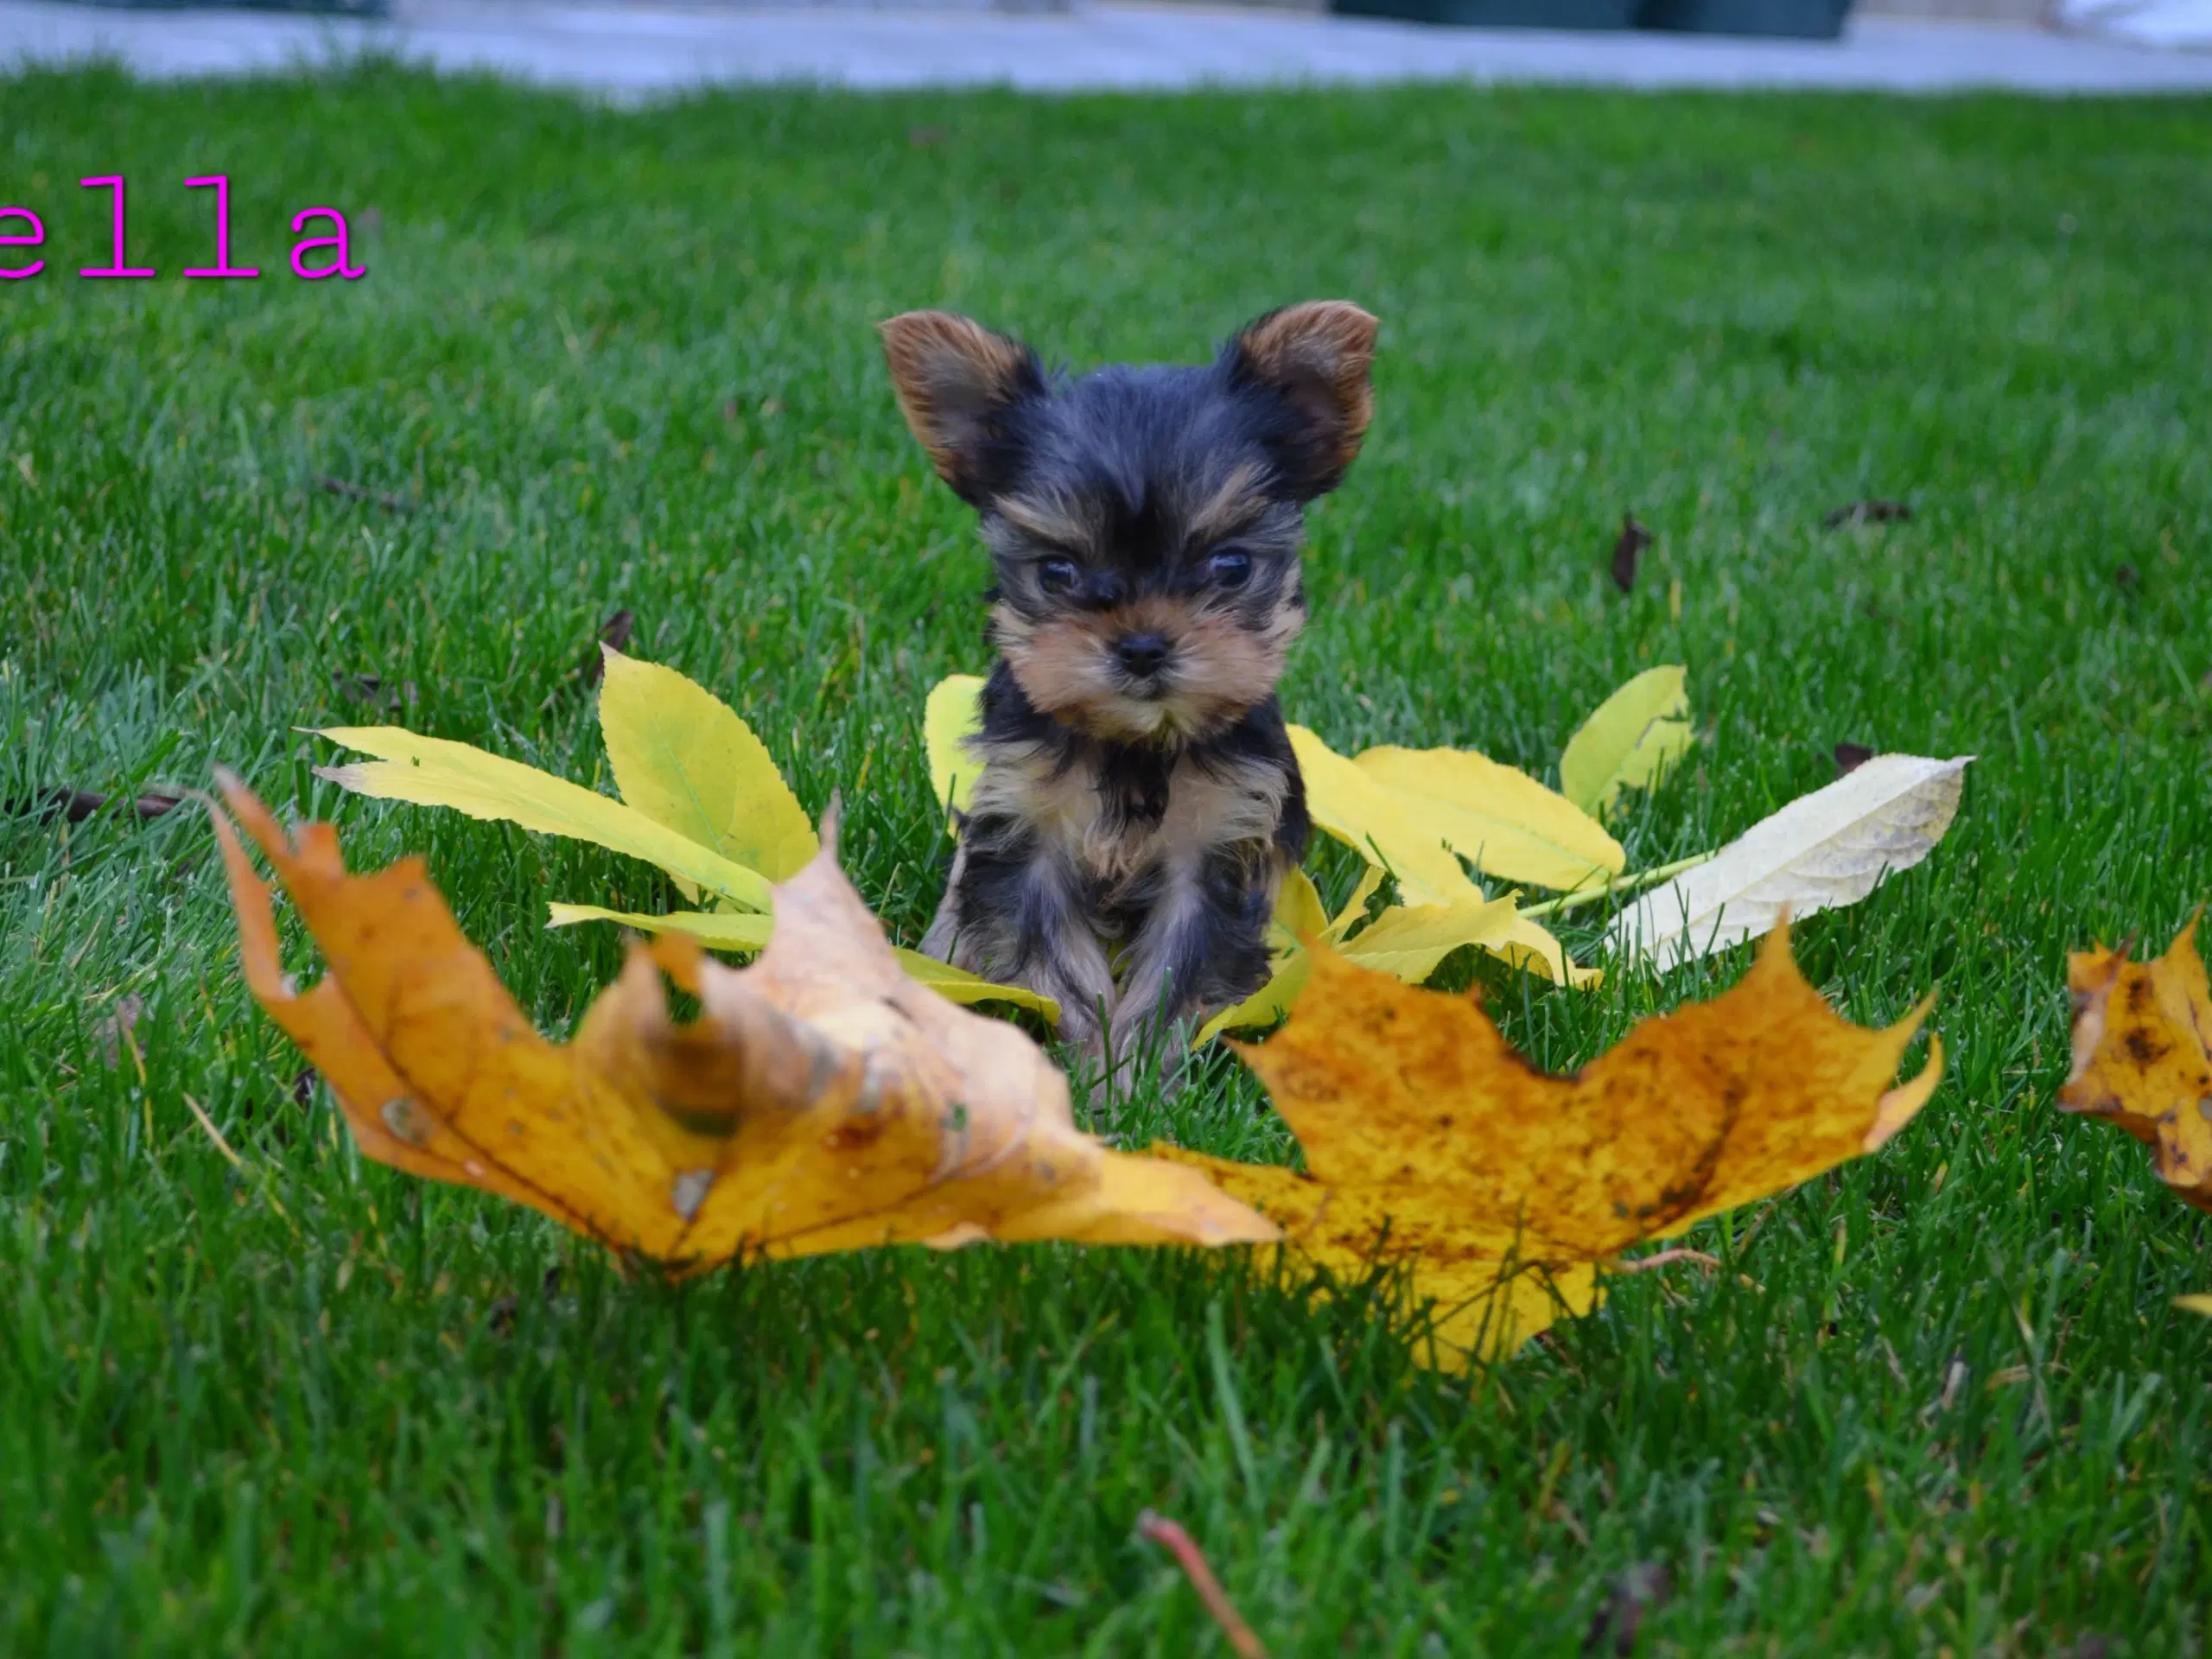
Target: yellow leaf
2143, 1055
953, 714
1528, 944
1349, 805
1502, 822
682, 757
723, 930
1407, 941
1299, 912
1267, 1005
1631, 741
739, 930
434, 771
822, 1101
1430, 1142
1355, 910
2198, 1304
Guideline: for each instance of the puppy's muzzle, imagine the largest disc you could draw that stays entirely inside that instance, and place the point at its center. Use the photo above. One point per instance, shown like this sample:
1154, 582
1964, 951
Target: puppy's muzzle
1142, 660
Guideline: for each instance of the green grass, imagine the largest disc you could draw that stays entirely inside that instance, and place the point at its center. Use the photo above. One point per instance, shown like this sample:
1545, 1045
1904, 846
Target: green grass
1939, 1403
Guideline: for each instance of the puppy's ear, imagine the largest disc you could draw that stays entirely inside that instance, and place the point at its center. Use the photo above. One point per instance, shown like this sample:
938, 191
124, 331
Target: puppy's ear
1315, 358
956, 382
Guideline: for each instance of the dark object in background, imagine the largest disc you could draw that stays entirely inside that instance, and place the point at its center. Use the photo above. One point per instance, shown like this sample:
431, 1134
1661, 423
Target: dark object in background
1641, 1589
75, 805
1809, 20
1869, 512
1628, 550
1849, 757
614, 632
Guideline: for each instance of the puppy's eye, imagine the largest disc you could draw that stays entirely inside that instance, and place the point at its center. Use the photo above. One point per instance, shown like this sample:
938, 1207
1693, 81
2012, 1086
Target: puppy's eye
1229, 569
1056, 575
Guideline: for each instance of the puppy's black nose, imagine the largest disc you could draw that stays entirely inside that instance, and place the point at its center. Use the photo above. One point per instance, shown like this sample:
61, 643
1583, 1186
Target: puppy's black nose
1142, 655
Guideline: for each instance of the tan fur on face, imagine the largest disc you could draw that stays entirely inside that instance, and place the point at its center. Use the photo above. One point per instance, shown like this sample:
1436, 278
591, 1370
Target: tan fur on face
1052, 520
1217, 667
1235, 504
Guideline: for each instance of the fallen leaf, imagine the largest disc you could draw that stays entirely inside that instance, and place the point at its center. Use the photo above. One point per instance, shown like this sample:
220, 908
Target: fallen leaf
1823, 851
1375, 821
682, 757
1849, 757
2143, 1055
822, 1101
1628, 550
1500, 820
952, 713
434, 771
1629, 742
726, 930
2197, 1304
1870, 512
1430, 1143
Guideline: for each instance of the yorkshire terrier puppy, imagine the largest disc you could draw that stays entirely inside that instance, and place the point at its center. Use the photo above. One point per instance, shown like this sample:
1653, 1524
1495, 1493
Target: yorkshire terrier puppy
1137, 803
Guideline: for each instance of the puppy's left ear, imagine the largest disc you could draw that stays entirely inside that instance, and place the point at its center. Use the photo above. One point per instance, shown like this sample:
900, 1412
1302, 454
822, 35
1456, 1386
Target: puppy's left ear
1315, 358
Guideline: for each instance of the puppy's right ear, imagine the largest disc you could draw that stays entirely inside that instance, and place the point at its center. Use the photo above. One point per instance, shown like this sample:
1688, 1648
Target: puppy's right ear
956, 382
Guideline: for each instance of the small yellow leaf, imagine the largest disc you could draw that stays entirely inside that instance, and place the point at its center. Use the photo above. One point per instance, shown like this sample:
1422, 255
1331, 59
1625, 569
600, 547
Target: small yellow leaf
1502, 822
725, 930
1265, 1006
1373, 821
2197, 1304
1630, 742
1355, 910
682, 757
1299, 913
1528, 944
953, 714
434, 771
2143, 1055
1407, 941
722, 929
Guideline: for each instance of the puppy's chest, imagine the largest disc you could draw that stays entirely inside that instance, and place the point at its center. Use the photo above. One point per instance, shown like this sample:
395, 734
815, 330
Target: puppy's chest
1129, 816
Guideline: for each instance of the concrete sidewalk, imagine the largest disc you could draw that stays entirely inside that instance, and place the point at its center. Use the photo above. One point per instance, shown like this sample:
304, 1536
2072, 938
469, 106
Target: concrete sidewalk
636, 51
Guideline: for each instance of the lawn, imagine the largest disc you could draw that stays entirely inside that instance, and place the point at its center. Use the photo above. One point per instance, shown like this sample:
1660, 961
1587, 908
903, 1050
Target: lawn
1936, 1403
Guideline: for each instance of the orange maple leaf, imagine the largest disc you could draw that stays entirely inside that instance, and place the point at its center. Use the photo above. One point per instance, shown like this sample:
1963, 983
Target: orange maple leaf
823, 1101
2143, 1055
1429, 1141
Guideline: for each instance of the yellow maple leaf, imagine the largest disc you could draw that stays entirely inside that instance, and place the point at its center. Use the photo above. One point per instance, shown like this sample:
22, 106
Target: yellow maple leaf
823, 1100
1430, 1142
1629, 742
2143, 1055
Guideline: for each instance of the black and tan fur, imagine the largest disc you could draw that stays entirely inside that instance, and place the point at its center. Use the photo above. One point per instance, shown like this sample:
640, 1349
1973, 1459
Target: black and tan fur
1138, 804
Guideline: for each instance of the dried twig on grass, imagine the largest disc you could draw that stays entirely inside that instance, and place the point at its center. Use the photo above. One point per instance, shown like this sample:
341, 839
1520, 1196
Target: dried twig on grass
1169, 1537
